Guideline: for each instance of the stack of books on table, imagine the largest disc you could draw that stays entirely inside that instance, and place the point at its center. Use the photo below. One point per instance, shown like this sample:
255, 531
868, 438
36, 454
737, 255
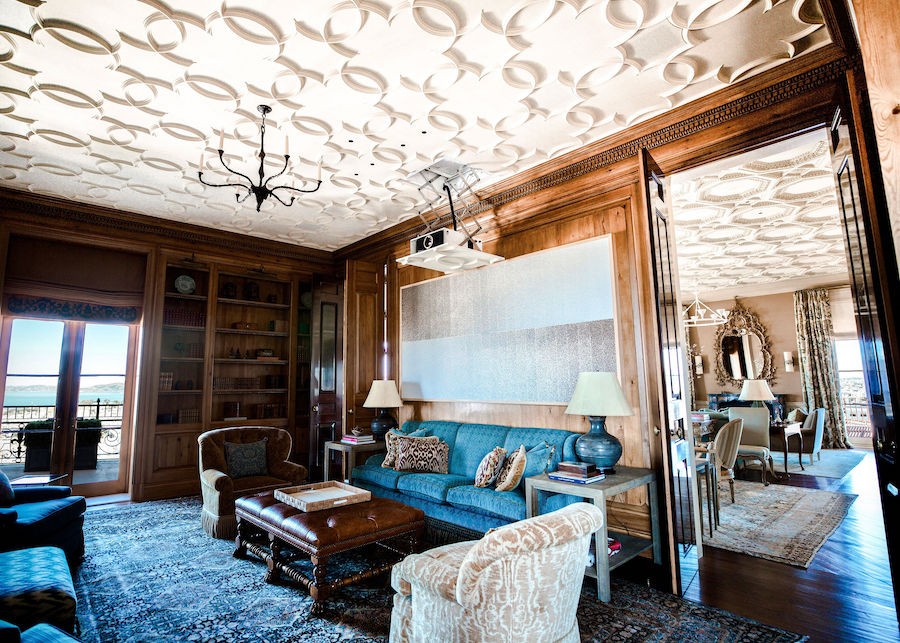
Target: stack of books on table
576, 472
358, 439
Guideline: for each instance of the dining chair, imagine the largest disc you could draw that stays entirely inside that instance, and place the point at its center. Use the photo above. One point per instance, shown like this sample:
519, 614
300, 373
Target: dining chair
754, 444
716, 457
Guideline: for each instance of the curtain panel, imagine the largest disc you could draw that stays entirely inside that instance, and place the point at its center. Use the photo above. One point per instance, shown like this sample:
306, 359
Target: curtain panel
818, 363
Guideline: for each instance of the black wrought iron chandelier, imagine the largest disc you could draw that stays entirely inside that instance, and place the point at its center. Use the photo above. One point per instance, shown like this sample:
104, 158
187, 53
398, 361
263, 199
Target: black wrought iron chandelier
260, 190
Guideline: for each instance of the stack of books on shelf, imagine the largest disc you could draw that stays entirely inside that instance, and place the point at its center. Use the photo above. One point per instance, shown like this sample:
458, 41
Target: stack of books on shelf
576, 472
358, 439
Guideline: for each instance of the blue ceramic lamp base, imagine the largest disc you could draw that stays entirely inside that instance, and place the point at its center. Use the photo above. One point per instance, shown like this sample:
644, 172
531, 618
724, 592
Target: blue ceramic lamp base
598, 446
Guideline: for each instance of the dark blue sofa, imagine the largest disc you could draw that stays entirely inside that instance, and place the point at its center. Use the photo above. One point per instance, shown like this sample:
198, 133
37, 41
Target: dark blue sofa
452, 497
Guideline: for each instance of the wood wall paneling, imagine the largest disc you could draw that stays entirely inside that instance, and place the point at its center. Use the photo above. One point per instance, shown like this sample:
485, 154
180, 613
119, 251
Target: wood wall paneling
879, 23
364, 336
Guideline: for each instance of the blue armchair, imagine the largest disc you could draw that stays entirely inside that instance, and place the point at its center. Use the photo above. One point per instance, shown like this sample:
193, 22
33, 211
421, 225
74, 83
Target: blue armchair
41, 516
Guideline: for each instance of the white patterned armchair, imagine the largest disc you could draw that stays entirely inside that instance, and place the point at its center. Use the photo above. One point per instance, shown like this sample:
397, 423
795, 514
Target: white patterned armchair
521, 582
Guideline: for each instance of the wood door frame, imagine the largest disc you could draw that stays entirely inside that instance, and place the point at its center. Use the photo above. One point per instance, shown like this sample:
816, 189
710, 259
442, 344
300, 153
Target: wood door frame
755, 130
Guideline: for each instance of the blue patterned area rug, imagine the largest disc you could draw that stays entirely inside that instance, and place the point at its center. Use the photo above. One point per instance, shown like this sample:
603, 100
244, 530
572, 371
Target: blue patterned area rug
152, 574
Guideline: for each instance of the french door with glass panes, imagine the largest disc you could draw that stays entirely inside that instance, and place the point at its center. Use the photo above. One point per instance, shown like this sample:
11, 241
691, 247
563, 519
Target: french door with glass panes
67, 391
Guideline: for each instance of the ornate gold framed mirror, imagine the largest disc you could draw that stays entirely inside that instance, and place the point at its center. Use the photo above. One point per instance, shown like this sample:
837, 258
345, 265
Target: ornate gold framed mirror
743, 349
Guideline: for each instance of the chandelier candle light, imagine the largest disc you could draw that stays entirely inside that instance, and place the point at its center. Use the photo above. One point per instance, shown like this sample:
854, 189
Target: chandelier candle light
260, 190
598, 395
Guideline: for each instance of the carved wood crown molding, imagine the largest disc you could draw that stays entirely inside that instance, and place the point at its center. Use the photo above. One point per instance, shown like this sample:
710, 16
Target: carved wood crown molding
742, 321
766, 97
194, 235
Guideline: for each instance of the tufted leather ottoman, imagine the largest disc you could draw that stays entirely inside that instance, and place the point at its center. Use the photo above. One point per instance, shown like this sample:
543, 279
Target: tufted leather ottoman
271, 530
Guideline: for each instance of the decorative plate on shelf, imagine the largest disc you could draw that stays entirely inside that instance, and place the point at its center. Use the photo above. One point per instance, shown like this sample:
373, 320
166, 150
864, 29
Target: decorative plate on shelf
185, 285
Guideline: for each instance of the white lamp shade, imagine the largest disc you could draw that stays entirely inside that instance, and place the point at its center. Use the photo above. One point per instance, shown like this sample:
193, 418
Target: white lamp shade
383, 395
756, 390
598, 394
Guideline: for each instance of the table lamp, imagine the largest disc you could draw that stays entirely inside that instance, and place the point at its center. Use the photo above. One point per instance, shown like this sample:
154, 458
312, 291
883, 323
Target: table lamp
383, 396
757, 391
598, 396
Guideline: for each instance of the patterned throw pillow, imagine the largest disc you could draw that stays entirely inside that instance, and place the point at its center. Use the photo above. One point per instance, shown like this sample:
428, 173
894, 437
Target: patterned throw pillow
390, 444
7, 494
430, 455
512, 471
246, 459
490, 467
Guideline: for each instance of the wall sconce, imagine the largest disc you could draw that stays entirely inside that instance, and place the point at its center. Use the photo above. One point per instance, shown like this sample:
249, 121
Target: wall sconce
788, 362
698, 364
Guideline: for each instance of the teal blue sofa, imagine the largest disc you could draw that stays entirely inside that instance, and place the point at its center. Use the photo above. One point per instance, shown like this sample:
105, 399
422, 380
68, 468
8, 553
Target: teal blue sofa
452, 497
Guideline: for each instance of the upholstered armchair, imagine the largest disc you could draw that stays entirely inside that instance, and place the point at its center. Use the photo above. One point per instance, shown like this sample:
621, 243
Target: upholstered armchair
754, 437
41, 516
221, 484
521, 582
813, 429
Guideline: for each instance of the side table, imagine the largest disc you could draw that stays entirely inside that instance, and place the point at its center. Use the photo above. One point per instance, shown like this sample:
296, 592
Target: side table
622, 480
349, 451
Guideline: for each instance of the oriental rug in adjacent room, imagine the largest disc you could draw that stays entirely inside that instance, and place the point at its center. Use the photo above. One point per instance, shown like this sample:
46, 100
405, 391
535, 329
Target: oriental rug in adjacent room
151, 574
778, 522
833, 463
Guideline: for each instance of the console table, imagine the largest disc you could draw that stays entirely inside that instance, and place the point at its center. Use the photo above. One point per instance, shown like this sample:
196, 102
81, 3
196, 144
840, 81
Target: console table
624, 479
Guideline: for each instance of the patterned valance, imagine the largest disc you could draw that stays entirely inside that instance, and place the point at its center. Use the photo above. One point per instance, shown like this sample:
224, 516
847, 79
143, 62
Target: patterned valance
46, 308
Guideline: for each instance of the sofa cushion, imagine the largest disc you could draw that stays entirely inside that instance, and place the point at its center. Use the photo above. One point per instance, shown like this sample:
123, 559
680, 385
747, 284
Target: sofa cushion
378, 475
431, 486
505, 504
245, 459
512, 470
36, 587
490, 467
419, 455
37, 519
537, 461
473, 442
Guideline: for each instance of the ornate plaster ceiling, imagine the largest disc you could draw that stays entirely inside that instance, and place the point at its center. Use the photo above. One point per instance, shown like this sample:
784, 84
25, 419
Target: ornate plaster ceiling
112, 102
760, 220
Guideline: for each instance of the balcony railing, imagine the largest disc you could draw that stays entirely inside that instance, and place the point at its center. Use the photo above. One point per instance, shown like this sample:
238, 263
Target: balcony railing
16, 436
856, 418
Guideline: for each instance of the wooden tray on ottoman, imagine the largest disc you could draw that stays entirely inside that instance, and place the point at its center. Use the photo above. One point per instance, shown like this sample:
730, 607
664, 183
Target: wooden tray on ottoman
322, 495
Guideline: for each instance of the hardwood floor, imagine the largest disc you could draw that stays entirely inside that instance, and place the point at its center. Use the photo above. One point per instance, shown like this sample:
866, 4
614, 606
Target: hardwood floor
844, 595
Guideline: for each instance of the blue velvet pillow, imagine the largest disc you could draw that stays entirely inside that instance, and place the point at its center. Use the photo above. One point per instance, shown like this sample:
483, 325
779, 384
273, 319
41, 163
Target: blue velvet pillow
537, 460
247, 459
7, 494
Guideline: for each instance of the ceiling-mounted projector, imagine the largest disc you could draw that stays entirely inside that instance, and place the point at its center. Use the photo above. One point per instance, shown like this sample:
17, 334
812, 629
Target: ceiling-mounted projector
446, 250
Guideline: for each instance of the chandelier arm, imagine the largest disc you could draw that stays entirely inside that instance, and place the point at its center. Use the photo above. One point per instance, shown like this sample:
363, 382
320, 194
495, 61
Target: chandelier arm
278, 198
288, 187
222, 185
274, 176
241, 199
225, 165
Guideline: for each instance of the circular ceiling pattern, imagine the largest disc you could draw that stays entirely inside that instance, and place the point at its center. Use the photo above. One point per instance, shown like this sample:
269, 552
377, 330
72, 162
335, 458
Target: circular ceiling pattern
777, 219
378, 90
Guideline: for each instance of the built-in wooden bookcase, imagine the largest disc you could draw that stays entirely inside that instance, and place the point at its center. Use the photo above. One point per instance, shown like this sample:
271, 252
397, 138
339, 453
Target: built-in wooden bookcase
183, 348
235, 348
251, 351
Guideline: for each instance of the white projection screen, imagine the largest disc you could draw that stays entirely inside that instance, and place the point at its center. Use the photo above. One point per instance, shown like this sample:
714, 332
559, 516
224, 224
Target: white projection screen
517, 331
